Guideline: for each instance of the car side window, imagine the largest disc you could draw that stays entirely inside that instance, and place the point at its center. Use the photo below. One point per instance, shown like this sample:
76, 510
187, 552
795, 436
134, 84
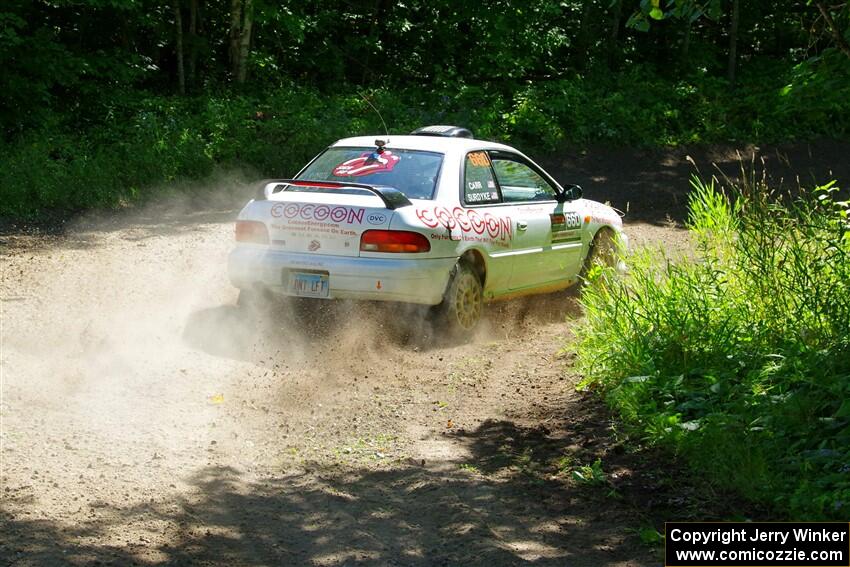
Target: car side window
519, 182
479, 187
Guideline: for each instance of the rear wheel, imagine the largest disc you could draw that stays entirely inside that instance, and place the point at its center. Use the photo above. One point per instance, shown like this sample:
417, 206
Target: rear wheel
463, 303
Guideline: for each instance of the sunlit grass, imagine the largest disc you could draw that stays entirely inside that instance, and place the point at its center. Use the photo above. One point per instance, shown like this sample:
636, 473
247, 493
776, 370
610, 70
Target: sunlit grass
738, 358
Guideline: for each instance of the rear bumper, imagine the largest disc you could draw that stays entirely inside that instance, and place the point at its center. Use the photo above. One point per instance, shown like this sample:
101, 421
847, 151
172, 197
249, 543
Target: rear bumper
408, 280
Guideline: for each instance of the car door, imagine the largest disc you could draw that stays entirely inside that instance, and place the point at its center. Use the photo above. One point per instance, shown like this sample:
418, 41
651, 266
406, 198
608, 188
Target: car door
484, 221
547, 245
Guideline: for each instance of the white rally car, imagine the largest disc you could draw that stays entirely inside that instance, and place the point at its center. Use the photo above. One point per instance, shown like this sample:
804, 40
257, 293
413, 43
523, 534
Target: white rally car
433, 218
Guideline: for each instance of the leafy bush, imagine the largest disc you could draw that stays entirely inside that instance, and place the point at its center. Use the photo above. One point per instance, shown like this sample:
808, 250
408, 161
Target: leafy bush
145, 143
739, 357
127, 147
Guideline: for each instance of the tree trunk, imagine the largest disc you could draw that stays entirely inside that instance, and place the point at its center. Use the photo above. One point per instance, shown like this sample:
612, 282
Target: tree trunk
245, 41
241, 22
235, 32
374, 35
193, 41
614, 36
178, 27
840, 42
733, 42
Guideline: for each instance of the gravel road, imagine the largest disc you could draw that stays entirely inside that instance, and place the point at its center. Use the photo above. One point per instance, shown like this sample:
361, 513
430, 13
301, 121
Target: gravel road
146, 420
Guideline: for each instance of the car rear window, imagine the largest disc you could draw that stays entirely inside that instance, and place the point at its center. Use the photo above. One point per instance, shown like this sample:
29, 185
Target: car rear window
478, 185
412, 172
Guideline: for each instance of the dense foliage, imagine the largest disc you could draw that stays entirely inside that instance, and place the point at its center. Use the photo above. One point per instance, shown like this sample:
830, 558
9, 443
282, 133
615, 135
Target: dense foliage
101, 101
739, 358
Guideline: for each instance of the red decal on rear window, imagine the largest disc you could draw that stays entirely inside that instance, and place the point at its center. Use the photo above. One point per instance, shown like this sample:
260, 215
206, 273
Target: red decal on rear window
367, 163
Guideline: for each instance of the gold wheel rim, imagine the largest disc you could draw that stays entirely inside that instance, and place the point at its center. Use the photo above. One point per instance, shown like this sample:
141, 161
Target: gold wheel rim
468, 301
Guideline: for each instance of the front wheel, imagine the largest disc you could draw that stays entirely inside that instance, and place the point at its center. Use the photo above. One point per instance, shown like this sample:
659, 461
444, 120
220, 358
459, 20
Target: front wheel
603, 250
463, 303
604, 253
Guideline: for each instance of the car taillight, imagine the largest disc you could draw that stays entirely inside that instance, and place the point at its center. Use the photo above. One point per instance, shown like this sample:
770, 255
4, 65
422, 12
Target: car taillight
254, 232
393, 241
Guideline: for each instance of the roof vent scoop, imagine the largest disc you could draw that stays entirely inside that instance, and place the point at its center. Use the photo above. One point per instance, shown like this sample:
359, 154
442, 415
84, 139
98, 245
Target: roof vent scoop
444, 131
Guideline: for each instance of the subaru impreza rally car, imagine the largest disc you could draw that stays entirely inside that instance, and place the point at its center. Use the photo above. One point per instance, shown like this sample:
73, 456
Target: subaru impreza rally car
433, 218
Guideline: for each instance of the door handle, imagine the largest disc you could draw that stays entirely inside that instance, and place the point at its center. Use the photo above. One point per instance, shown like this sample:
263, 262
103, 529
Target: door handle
521, 225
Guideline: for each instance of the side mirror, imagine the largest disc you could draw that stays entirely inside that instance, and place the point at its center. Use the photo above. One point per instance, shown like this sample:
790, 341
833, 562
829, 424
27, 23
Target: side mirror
571, 193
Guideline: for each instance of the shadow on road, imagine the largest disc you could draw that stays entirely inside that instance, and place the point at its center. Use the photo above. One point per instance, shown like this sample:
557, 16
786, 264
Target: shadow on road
509, 505
653, 184
511, 499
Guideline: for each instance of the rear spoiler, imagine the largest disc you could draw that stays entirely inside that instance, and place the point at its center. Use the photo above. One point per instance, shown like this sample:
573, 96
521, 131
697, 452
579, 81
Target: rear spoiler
392, 198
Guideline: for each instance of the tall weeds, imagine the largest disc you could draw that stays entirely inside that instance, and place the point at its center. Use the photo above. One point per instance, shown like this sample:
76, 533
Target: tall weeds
738, 357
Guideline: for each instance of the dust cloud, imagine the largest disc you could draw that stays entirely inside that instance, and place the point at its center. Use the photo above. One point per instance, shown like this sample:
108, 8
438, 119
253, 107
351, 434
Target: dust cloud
126, 321
108, 320
110, 323
128, 370
138, 399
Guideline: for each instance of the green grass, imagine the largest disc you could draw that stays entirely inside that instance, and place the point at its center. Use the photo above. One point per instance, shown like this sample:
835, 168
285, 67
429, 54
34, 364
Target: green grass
590, 474
738, 358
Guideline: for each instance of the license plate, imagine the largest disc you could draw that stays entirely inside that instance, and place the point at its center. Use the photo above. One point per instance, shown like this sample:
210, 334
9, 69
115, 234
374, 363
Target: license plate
309, 285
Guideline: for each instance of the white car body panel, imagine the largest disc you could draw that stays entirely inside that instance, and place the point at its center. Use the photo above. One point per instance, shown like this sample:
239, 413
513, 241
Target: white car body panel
525, 248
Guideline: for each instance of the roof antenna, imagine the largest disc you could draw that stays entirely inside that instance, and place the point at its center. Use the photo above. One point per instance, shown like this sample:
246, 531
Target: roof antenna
386, 131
